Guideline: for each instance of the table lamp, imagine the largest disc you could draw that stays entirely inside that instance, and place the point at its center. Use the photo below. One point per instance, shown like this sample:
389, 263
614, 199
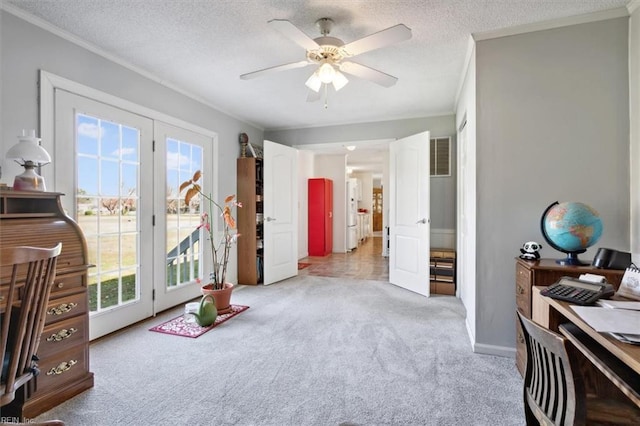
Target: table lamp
29, 154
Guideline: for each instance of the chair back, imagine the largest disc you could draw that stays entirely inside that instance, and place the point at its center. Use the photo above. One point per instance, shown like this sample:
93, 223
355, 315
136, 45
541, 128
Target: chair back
551, 386
23, 302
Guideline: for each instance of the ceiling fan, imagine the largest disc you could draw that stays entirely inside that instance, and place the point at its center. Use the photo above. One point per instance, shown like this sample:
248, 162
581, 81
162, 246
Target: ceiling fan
330, 54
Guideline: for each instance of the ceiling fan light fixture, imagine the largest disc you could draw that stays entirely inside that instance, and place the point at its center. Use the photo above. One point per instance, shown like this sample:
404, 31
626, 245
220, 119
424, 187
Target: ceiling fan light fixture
339, 81
314, 83
326, 73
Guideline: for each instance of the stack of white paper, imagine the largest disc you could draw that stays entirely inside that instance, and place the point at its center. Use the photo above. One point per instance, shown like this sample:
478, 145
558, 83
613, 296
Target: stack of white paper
621, 319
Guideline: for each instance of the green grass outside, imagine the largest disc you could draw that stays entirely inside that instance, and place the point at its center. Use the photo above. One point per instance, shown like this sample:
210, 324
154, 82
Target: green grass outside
109, 293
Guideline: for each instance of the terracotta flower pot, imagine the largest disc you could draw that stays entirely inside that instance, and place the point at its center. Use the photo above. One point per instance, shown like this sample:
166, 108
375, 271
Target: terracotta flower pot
221, 297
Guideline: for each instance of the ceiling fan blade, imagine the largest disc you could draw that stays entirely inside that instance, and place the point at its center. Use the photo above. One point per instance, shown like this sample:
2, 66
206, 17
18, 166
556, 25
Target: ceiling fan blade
313, 96
294, 33
382, 38
277, 68
367, 73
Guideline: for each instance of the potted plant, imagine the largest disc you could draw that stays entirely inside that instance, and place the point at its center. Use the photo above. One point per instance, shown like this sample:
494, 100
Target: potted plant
220, 246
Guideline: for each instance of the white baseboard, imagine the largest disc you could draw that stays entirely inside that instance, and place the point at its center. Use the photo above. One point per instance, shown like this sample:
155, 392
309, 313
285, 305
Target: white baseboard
502, 351
480, 348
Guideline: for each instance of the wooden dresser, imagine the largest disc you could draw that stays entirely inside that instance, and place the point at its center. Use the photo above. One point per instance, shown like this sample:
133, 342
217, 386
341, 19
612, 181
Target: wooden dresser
37, 219
544, 272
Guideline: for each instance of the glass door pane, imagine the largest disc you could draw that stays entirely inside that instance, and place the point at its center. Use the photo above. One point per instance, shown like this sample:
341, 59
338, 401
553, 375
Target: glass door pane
183, 235
108, 169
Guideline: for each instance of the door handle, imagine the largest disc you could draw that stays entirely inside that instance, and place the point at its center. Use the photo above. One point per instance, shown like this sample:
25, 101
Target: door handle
423, 220
269, 219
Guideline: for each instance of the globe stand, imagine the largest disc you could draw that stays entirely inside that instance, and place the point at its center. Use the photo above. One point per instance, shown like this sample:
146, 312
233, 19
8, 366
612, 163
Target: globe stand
572, 259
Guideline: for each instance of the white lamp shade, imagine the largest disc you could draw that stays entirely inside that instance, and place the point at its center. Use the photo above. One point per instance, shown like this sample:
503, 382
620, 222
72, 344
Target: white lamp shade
339, 81
314, 82
28, 149
326, 72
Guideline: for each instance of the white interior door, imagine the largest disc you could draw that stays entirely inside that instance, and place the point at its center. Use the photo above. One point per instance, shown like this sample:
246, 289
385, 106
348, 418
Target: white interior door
409, 213
280, 212
182, 254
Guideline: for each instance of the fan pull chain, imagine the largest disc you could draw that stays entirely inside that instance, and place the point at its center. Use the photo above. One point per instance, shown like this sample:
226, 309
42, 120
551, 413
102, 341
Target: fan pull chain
326, 92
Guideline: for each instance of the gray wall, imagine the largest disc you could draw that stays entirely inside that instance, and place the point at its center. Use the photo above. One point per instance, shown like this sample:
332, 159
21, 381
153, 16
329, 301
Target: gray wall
634, 113
443, 189
27, 48
552, 124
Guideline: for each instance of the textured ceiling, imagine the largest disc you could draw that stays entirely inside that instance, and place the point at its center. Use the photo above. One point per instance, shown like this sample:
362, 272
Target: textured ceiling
202, 46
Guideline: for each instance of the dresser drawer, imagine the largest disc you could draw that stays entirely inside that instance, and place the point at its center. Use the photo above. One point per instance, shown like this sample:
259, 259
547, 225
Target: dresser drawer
61, 369
67, 284
523, 290
523, 276
66, 307
62, 335
523, 299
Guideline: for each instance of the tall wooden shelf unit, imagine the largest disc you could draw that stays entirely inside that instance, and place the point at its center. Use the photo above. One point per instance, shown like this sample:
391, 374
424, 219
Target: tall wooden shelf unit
37, 219
250, 226
545, 272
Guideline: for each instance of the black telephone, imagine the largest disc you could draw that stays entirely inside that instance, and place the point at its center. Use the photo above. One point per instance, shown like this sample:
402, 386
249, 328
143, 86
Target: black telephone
578, 291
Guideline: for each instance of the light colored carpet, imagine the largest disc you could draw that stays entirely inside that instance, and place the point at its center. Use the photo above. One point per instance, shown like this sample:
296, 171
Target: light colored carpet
309, 351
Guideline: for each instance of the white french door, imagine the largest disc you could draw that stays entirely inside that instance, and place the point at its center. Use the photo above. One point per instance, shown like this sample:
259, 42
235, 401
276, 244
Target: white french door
409, 213
143, 242
280, 212
105, 173
180, 247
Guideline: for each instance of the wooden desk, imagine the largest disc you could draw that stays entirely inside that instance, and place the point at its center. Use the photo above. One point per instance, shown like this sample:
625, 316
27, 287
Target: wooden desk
545, 272
618, 363
37, 219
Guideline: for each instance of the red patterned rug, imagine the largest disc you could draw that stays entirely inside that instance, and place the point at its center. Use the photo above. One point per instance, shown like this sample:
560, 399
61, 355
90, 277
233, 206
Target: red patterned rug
302, 265
179, 327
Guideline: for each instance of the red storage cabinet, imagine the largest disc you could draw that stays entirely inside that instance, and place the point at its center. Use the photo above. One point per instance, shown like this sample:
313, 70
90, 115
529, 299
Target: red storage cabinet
320, 216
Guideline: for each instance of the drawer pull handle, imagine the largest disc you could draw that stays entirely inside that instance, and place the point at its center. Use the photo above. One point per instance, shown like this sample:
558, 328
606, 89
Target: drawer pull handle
63, 308
520, 338
62, 334
62, 367
60, 284
520, 290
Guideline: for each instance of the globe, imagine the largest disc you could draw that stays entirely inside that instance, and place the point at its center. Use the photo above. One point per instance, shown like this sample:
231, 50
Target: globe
571, 227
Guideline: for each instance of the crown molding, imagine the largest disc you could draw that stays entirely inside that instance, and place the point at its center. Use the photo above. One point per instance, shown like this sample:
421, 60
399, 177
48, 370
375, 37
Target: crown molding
633, 6
618, 12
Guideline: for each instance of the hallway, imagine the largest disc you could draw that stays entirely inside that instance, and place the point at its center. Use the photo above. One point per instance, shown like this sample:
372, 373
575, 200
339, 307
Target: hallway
366, 262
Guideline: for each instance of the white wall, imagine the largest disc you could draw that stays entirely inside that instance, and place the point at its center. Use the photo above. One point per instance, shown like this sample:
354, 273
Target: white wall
552, 124
334, 167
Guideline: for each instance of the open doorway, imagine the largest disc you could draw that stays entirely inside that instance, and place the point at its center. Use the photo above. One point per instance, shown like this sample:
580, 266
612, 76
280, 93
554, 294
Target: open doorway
369, 160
